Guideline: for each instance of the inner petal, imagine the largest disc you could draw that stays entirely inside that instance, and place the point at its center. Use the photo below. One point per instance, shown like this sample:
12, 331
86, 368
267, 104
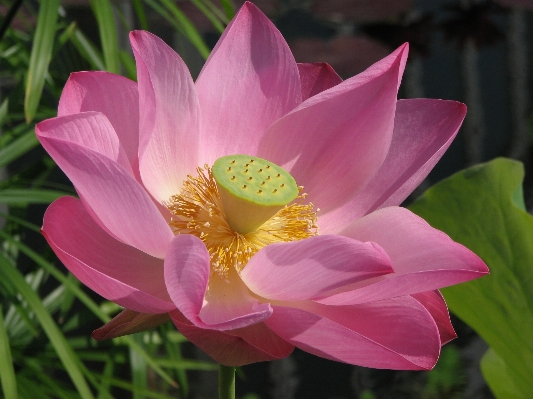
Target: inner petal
228, 299
199, 209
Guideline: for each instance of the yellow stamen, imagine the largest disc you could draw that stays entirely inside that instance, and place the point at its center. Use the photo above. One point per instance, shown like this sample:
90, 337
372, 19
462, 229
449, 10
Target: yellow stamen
197, 210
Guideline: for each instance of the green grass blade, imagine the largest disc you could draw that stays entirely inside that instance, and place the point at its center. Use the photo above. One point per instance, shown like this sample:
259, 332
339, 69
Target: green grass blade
145, 392
7, 372
18, 147
84, 298
23, 197
22, 222
139, 371
57, 339
41, 53
174, 354
87, 50
103, 11
213, 18
44, 380
229, 9
128, 62
217, 11
3, 111
177, 18
141, 15
107, 373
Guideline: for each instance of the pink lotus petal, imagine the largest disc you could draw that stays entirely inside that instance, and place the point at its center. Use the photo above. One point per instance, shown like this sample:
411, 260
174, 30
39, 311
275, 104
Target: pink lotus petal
116, 271
434, 302
169, 116
112, 193
113, 95
423, 131
91, 130
129, 322
255, 343
351, 143
423, 258
227, 305
315, 78
396, 333
305, 269
249, 81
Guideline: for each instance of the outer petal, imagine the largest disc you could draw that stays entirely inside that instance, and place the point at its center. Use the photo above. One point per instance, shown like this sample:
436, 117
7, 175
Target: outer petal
116, 271
249, 81
255, 343
436, 306
227, 305
423, 131
112, 193
423, 258
169, 119
306, 269
129, 322
334, 142
113, 95
317, 77
397, 333
91, 130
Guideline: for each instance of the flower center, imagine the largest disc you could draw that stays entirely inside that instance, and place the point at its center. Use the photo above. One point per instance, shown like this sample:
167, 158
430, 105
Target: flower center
238, 207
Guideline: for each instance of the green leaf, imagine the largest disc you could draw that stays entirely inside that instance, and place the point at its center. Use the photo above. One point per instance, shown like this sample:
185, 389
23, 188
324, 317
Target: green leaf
7, 372
23, 197
64, 351
496, 374
479, 208
108, 33
41, 53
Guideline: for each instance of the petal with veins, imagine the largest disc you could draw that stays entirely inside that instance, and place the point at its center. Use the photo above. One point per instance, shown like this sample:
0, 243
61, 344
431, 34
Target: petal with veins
255, 343
423, 131
116, 271
208, 301
249, 81
113, 95
114, 196
395, 333
423, 258
169, 116
333, 157
306, 269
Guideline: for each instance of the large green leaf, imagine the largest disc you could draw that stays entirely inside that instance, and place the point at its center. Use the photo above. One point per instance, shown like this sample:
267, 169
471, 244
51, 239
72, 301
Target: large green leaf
497, 375
41, 53
483, 208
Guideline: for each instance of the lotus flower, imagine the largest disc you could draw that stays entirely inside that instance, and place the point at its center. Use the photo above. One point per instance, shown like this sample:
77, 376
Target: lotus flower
337, 268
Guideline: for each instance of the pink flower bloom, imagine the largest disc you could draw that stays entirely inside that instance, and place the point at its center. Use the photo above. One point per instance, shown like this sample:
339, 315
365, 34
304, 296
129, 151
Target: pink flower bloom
146, 236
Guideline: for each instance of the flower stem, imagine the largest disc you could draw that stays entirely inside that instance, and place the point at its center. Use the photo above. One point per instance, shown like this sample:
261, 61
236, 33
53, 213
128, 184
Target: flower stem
226, 382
